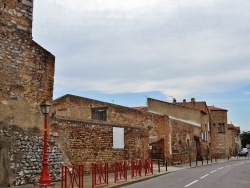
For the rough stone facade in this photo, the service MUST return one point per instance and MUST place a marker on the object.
(85, 141)
(219, 136)
(26, 69)
(70, 106)
(183, 143)
(175, 110)
(185, 130)
(24, 155)
(233, 139)
(205, 122)
(26, 78)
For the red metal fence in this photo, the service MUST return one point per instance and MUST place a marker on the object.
(99, 174)
(148, 166)
(120, 170)
(135, 168)
(72, 176)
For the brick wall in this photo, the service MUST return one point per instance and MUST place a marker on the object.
(92, 141)
(79, 107)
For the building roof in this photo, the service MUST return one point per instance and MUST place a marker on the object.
(213, 108)
(231, 126)
(141, 108)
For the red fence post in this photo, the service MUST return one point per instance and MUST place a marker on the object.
(100, 173)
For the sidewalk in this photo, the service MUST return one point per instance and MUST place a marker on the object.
(156, 172)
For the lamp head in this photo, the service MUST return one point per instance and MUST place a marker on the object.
(45, 107)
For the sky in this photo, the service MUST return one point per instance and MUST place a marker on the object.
(122, 52)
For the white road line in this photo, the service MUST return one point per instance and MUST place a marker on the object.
(227, 166)
(204, 176)
(213, 171)
(191, 183)
(220, 168)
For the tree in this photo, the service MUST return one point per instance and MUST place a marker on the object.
(245, 138)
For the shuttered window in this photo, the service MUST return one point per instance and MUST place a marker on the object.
(99, 114)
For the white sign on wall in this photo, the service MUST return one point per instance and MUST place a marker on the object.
(118, 138)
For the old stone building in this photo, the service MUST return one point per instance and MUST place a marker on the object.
(185, 136)
(87, 121)
(26, 78)
(234, 141)
(219, 131)
(205, 125)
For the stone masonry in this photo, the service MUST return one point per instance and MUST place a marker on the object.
(219, 146)
(86, 142)
(26, 69)
(70, 106)
(25, 149)
(26, 78)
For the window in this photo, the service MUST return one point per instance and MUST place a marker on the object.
(221, 127)
(204, 135)
(99, 114)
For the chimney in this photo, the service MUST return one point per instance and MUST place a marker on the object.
(174, 100)
(193, 102)
(184, 102)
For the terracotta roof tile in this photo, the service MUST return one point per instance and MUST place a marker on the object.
(213, 108)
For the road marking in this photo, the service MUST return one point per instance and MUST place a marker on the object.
(213, 171)
(191, 183)
(220, 168)
(227, 166)
(204, 176)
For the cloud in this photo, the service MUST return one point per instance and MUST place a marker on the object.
(176, 47)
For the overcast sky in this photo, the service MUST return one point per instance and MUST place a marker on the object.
(124, 51)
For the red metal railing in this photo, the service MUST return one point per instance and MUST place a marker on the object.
(120, 170)
(148, 166)
(135, 168)
(99, 174)
(72, 176)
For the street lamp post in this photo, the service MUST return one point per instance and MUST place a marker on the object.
(45, 180)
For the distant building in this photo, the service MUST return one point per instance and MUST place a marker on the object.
(219, 131)
(234, 141)
(185, 138)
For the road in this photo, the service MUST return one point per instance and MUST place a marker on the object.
(231, 174)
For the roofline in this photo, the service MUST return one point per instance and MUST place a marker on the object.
(177, 105)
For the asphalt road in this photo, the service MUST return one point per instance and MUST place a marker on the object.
(231, 174)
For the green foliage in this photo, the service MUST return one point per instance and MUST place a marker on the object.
(245, 138)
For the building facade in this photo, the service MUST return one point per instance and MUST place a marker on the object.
(26, 78)
(139, 128)
(219, 132)
(185, 138)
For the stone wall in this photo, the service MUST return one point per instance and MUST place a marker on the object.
(183, 143)
(24, 150)
(17, 15)
(70, 106)
(26, 78)
(92, 141)
(219, 143)
(175, 110)
(26, 69)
